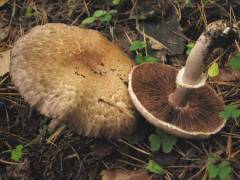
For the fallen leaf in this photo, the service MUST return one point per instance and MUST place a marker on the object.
(2, 2)
(160, 26)
(4, 62)
(120, 174)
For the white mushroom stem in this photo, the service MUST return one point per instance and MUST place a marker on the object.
(192, 72)
(195, 65)
(217, 34)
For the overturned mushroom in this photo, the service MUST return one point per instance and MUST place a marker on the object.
(187, 108)
(75, 76)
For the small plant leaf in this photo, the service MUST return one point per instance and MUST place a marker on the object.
(29, 12)
(230, 111)
(88, 20)
(236, 114)
(105, 18)
(19, 147)
(153, 167)
(213, 171)
(189, 3)
(235, 62)
(113, 11)
(99, 13)
(213, 70)
(150, 59)
(168, 142)
(212, 158)
(224, 170)
(137, 45)
(139, 58)
(116, 2)
(16, 153)
(189, 47)
(155, 142)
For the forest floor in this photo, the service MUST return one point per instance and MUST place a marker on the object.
(71, 156)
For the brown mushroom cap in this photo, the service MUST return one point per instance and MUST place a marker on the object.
(76, 76)
(149, 87)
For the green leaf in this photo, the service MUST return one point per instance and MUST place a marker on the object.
(224, 170)
(155, 142)
(230, 111)
(88, 20)
(213, 170)
(113, 11)
(235, 62)
(213, 70)
(29, 12)
(137, 45)
(153, 167)
(139, 58)
(150, 59)
(224, 164)
(116, 2)
(105, 18)
(212, 158)
(236, 114)
(16, 153)
(189, 47)
(19, 147)
(99, 13)
(189, 3)
(168, 142)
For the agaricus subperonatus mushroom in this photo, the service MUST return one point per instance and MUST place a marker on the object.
(75, 76)
(181, 103)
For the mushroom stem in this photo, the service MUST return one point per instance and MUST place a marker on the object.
(179, 97)
(217, 34)
(196, 60)
(193, 70)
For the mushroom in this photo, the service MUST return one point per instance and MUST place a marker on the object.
(76, 77)
(188, 108)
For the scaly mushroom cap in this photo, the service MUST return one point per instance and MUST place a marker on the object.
(150, 85)
(76, 76)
